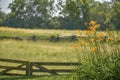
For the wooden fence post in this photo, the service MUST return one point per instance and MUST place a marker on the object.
(28, 69)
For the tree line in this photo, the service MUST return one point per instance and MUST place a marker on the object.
(61, 14)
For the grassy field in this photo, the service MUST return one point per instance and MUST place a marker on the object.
(55, 77)
(41, 50)
(7, 31)
(37, 51)
(45, 50)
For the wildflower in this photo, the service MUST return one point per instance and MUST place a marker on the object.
(80, 39)
(110, 39)
(78, 32)
(102, 34)
(92, 39)
(75, 46)
(85, 43)
(92, 22)
(88, 32)
(92, 28)
(94, 49)
(100, 38)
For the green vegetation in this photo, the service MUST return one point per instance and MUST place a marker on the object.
(37, 51)
(61, 14)
(101, 61)
(55, 77)
(61, 51)
(41, 50)
(7, 31)
(97, 51)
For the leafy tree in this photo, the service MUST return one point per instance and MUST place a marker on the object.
(115, 19)
(77, 11)
(101, 12)
(62, 14)
(29, 13)
(54, 23)
(2, 17)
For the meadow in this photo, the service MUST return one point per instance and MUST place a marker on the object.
(41, 50)
(47, 51)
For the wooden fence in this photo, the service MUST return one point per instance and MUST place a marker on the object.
(50, 38)
(29, 68)
(10, 65)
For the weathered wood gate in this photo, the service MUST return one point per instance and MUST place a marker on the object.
(7, 65)
(29, 68)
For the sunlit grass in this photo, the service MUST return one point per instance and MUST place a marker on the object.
(7, 31)
(37, 51)
(42, 50)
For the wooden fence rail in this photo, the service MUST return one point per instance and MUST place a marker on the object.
(20, 66)
(51, 38)
(35, 67)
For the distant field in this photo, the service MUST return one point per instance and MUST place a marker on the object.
(42, 50)
(7, 31)
(37, 51)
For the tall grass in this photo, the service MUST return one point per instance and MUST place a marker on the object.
(37, 51)
(55, 77)
(101, 58)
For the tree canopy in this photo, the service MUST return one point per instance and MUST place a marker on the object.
(61, 14)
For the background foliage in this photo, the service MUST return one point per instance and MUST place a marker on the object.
(61, 14)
